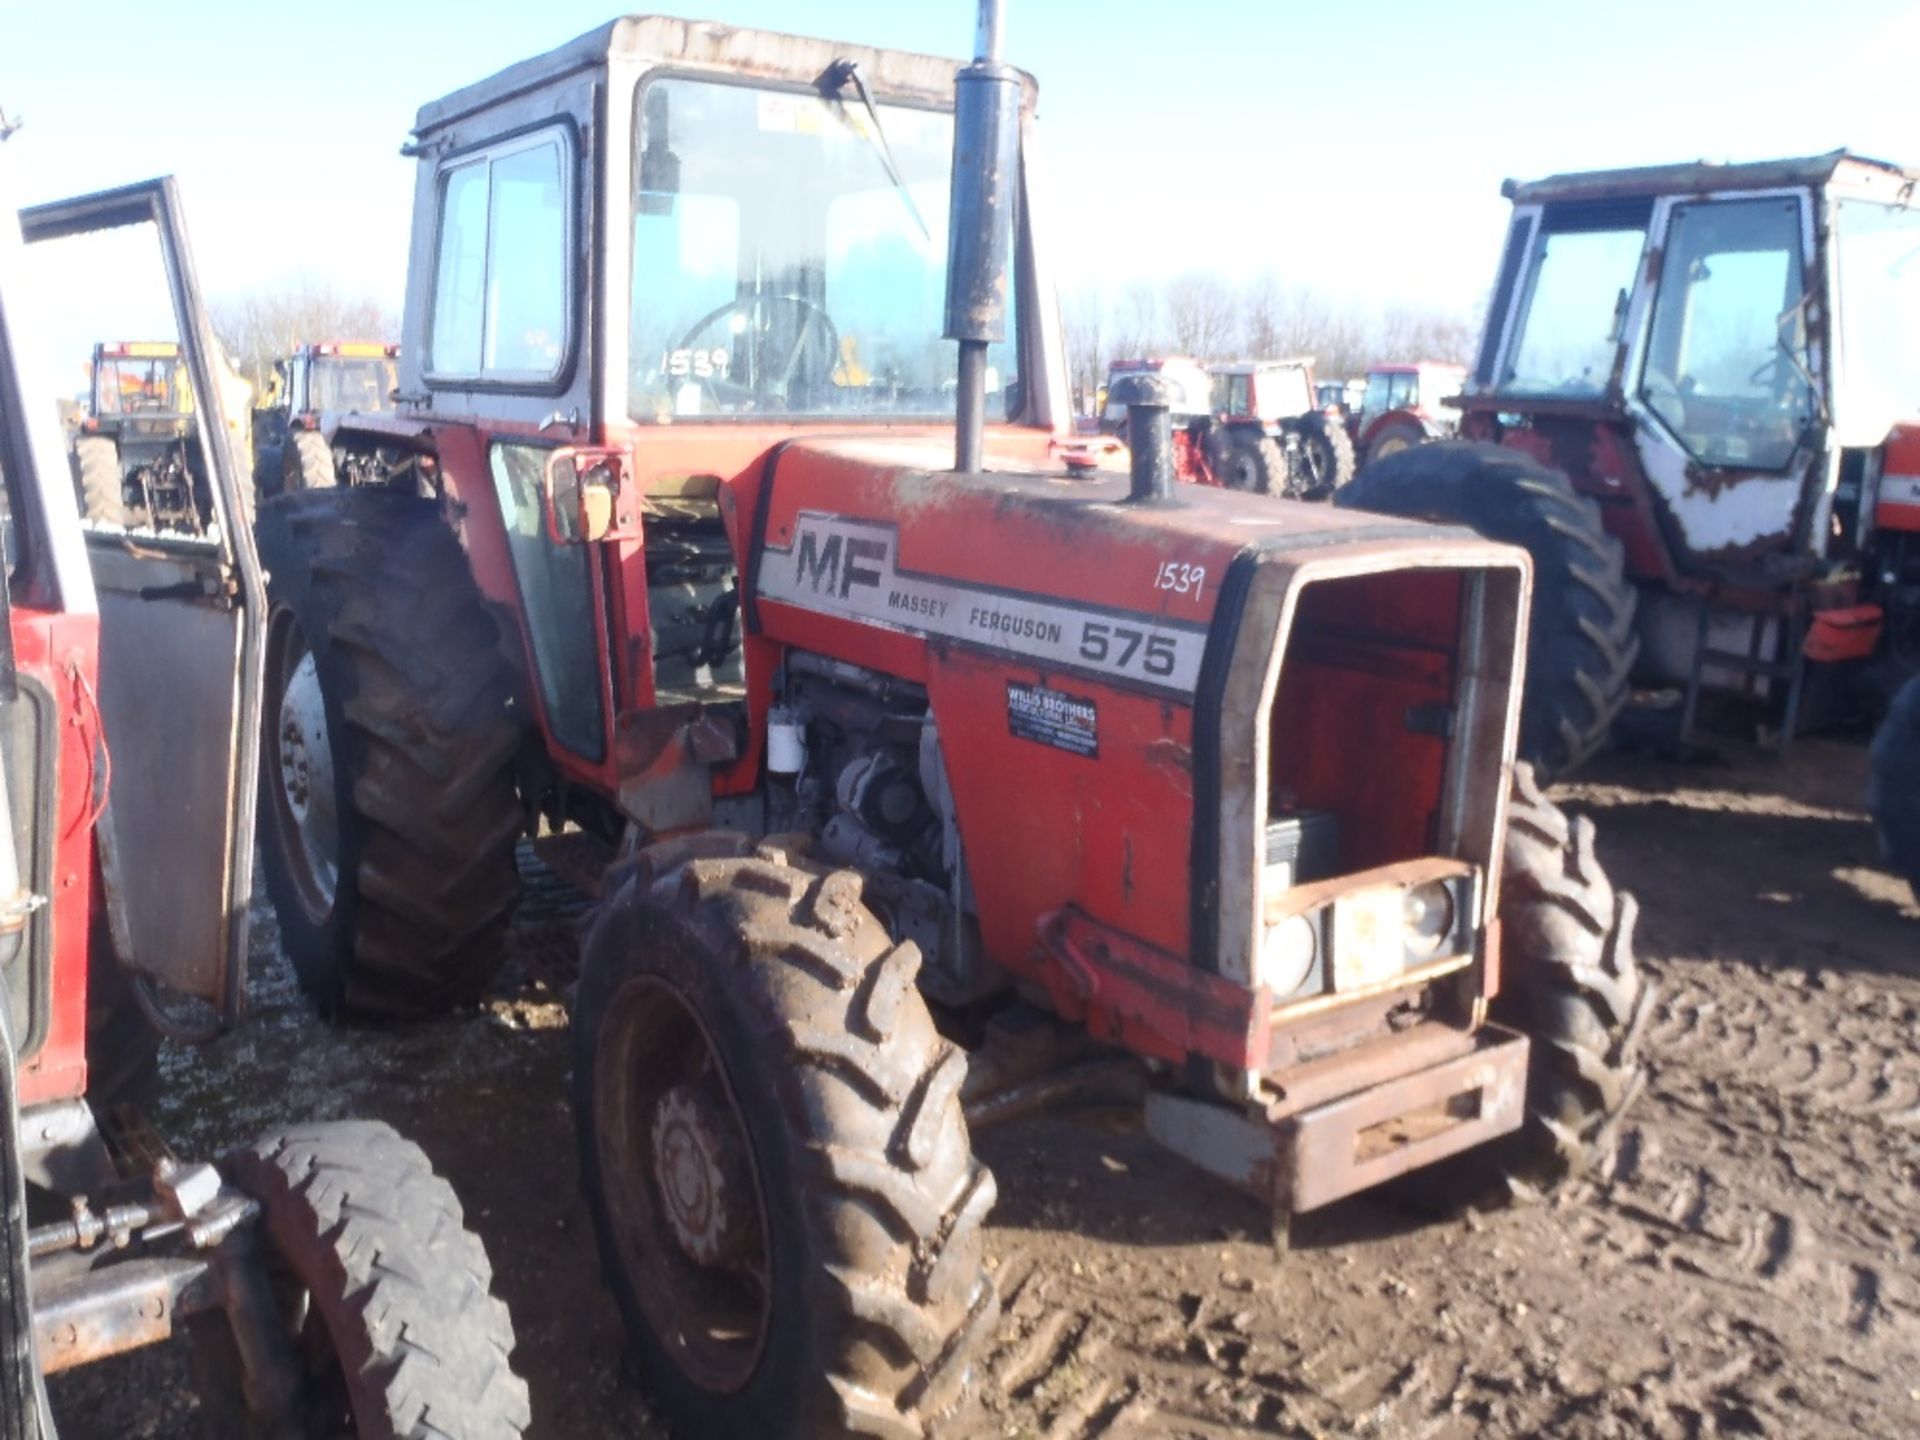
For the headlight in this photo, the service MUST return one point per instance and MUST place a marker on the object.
(1287, 955)
(1430, 917)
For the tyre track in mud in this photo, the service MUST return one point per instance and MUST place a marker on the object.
(1748, 1268)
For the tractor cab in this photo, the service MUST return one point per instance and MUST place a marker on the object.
(312, 388)
(142, 382)
(1724, 357)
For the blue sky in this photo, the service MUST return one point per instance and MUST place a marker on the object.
(1355, 147)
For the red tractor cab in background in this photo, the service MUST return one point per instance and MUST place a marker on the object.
(1245, 425)
(1404, 406)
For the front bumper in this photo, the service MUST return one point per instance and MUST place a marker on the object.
(1354, 1120)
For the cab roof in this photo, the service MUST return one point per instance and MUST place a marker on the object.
(1694, 177)
(707, 45)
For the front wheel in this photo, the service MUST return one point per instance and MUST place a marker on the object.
(788, 1205)
(1893, 789)
(394, 1333)
(1393, 438)
(1572, 984)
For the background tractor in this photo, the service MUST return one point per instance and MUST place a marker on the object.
(1405, 405)
(1248, 425)
(917, 779)
(324, 1273)
(1275, 437)
(1724, 361)
(312, 388)
(136, 453)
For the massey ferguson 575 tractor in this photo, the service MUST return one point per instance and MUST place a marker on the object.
(1724, 361)
(324, 1272)
(896, 748)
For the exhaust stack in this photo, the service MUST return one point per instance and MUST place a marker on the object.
(986, 138)
(1149, 401)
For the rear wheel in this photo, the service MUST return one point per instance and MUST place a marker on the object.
(388, 804)
(1326, 455)
(1250, 460)
(788, 1205)
(306, 462)
(1893, 789)
(1394, 437)
(393, 1329)
(1581, 643)
(96, 474)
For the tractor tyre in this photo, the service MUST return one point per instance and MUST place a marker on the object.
(392, 1327)
(1581, 642)
(1571, 983)
(98, 481)
(789, 1209)
(1893, 786)
(306, 463)
(1326, 453)
(1252, 461)
(1394, 437)
(388, 802)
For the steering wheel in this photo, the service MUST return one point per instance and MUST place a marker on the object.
(775, 382)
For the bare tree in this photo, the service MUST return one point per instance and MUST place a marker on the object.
(1203, 315)
(1083, 317)
(260, 326)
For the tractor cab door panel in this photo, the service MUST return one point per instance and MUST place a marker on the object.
(180, 637)
(1726, 378)
(559, 605)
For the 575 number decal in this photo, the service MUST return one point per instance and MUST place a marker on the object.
(1124, 648)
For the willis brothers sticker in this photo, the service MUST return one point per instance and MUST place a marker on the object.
(1052, 717)
(844, 567)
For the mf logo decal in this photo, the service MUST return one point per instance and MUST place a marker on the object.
(849, 568)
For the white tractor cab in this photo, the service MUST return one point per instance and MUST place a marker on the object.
(1719, 365)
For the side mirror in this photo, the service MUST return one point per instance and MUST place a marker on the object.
(584, 498)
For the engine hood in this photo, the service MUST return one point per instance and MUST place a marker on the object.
(1021, 563)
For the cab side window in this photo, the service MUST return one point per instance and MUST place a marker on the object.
(502, 281)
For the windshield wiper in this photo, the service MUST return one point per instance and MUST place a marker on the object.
(835, 78)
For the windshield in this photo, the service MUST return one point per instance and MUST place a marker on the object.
(126, 386)
(1576, 299)
(778, 270)
(1727, 365)
(359, 385)
(1879, 274)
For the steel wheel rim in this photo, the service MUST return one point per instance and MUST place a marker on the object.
(300, 773)
(712, 1318)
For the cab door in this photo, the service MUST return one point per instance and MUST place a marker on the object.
(180, 644)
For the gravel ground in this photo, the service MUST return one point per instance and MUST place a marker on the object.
(1751, 1267)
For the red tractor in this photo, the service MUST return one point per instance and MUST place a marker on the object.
(1404, 406)
(1699, 389)
(324, 1271)
(903, 762)
(313, 388)
(1248, 425)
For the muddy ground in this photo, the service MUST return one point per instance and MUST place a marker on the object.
(1752, 1267)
